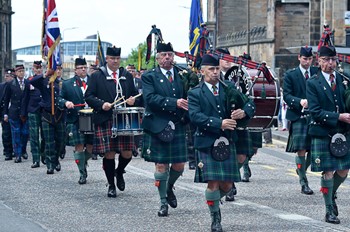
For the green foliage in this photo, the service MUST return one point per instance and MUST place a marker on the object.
(134, 57)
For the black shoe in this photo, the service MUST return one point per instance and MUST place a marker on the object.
(50, 171)
(230, 196)
(112, 192)
(62, 155)
(306, 190)
(25, 156)
(331, 218)
(192, 165)
(171, 198)
(18, 160)
(43, 160)
(335, 207)
(94, 157)
(216, 222)
(120, 181)
(8, 157)
(82, 180)
(163, 211)
(58, 167)
(35, 165)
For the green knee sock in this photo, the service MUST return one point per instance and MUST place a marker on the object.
(308, 161)
(327, 190)
(80, 161)
(173, 176)
(87, 155)
(300, 162)
(213, 198)
(337, 181)
(161, 183)
(246, 167)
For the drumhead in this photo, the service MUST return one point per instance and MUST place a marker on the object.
(131, 110)
(86, 111)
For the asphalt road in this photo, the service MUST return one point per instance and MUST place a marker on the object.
(31, 200)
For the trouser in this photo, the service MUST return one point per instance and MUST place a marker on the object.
(54, 142)
(20, 134)
(7, 138)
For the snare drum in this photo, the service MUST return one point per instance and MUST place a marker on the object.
(266, 98)
(86, 124)
(127, 121)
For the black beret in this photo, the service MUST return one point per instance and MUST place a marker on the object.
(163, 47)
(327, 51)
(113, 51)
(80, 61)
(210, 59)
(305, 51)
(10, 71)
(223, 50)
(19, 67)
(37, 63)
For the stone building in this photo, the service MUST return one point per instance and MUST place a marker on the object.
(278, 28)
(5, 35)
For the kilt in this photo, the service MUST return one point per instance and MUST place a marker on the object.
(74, 137)
(321, 158)
(54, 137)
(244, 145)
(157, 151)
(256, 137)
(213, 170)
(103, 143)
(298, 139)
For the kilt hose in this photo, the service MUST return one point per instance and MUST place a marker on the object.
(208, 169)
(54, 136)
(244, 145)
(74, 137)
(34, 121)
(103, 141)
(157, 151)
(298, 136)
(20, 135)
(321, 158)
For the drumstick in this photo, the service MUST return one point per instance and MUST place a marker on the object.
(117, 100)
(77, 105)
(138, 95)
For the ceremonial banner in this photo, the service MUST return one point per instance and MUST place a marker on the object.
(196, 20)
(51, 35)
(100, 57)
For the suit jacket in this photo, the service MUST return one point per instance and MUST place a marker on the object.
(207, 116)
(101, 89)
(32, 99)
(160, 100)
(294, 89)
(324, 107)
(14, 106)
(71, 91)
(2, 94)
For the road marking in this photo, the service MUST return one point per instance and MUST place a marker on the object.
(300, 219)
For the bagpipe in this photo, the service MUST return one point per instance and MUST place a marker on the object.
(260, 83)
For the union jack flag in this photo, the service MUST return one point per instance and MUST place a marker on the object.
(51, 35)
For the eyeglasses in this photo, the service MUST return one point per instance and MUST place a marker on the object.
(329, 59)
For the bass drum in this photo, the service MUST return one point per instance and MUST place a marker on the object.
(266, 97)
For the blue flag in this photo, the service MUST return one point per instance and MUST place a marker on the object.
(196, 20)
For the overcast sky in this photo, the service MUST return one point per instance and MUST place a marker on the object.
(124, 23)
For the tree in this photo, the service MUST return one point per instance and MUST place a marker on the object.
(134, 57)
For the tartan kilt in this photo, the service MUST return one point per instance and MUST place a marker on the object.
(244, 145)
(103, 143)
(320, 152)
(298, 138)
(157, 151)
(213, 170)
(256, 137)
(74, 137)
